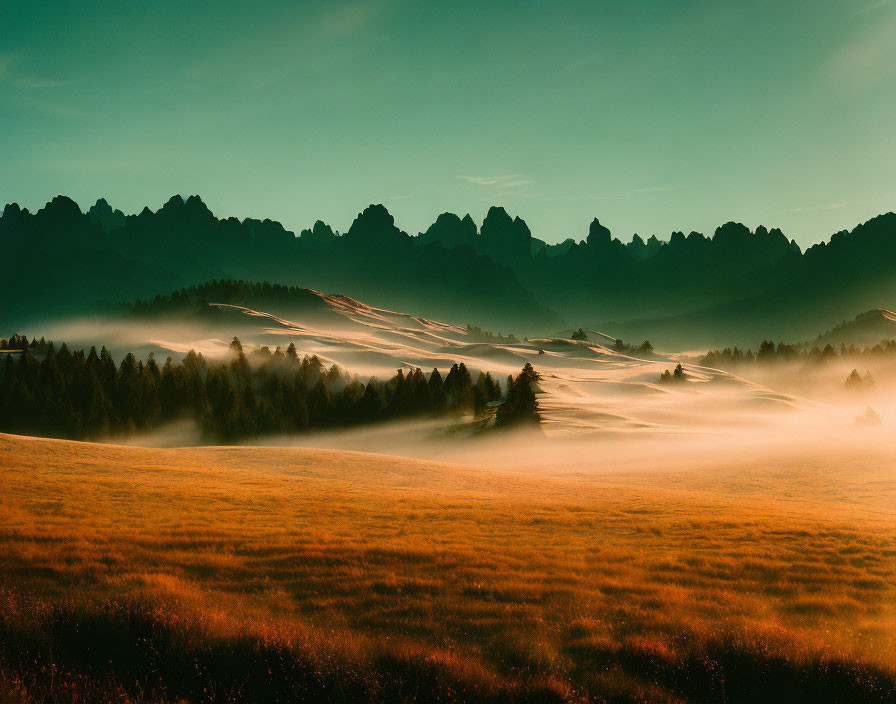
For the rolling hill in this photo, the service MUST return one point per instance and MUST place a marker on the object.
(587, 386)
(181, 575)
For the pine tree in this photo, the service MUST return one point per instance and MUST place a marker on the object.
(520, 406)
(420, 399)
(320, 405)
(437, 391)
(399, 399)
(370, 408)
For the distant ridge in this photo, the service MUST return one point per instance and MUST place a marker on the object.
(105, 255)
(692, 290)
(868, 329)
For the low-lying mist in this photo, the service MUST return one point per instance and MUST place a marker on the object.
(142, 337)
(599, 409)
(711, 426)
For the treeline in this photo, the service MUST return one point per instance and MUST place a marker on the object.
(673, 377)
(645, 349)
(477, 334)
(770, 353)
(74, 395)
(20, 342)
(194, 300)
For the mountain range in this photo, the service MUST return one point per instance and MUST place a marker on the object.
(733, 287)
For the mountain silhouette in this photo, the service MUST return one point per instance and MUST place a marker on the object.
(65, 262)
(693, 289)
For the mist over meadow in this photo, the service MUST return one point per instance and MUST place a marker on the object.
(492, 353)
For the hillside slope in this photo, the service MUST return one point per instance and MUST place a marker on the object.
(586, 386)
(867, 330)
(346, 576)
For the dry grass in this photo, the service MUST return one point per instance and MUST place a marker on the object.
(266, 574)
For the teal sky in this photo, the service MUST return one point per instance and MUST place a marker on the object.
(652, 116)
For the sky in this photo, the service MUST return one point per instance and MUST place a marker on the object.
(653, 116)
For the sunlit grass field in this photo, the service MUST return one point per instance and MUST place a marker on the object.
(279, 574)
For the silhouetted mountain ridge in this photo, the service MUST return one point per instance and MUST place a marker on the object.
(499, 275)
(183, 243)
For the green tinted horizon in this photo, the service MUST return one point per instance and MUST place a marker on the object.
(651, 116)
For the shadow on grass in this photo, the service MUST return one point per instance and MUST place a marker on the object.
(126, 653)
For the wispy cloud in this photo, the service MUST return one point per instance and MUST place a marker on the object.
(32, 82)
(135, 158)
(874, 6)
(621, 195)
(304, 39)
(9, 75)
(816, 208)
(576, 197)
(498, 181)
(497, 187)
(653, 189)
(511, 184)
(581, 63)
(869, 58)
(347, 19)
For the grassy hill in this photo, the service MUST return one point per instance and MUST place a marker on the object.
(272, 574)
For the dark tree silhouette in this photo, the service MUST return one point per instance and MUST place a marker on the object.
(520, 407)
(73, 395)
